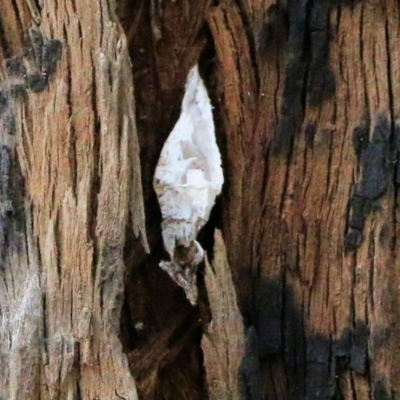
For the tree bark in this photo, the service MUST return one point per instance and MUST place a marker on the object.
(298, 298)
(309, 211)
(75, 143)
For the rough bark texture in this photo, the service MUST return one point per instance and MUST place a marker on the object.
(75, 142)
(309, 211)
(306, 106)
(223, 344)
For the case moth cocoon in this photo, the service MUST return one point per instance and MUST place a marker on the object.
(187, 180)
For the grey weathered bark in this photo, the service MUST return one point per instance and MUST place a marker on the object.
(306, 107)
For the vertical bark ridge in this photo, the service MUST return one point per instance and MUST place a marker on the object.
(228, 367)
(79, 155)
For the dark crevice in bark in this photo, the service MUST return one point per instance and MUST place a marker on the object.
(45, 324)
(72, 140)
(77, 371)
(74, 9)
(95, 183)
(353, 387)
(389, 76)
(252, 45)
(362, 51)
(57, 240)
(157, 108)
(329, 164)
(3, 41)
(17, 16)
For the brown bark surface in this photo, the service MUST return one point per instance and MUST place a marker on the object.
(223, 343)
(309, 211)
(306, 108)
(75, 143)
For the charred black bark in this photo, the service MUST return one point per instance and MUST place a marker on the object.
(377, 158)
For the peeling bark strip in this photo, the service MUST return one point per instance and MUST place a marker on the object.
(76, 142)
(224, 343)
